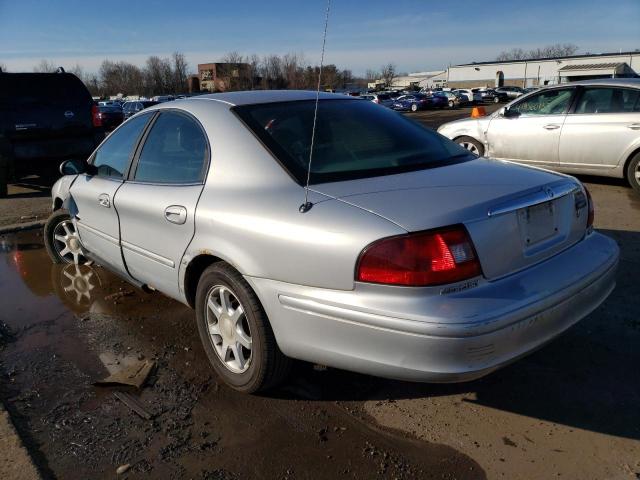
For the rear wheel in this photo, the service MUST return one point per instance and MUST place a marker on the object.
(633, 172)
(236, 333)
(471, 144)
(414, 107)
(61, 239)
(496, 99)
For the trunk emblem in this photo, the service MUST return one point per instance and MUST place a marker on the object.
(68, 114)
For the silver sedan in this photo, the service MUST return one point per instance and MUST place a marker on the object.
(411, 258)
(590, 127)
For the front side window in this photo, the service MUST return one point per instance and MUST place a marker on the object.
(352, 140)
(112, 157)
(549, 102)
(609, 100)
(175, 151)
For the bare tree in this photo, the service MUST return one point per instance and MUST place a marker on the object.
(45, 66)
(180, 68)
(550, 51)
(388, 73)
(371, 75)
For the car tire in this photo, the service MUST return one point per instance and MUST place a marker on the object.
(451, 104)
(633, 172)
(266, 366)
(471, 144)
(58, 226)
(496, 100)
(414, 107)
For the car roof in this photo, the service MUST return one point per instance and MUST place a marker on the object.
(251, 97)
(627, 82)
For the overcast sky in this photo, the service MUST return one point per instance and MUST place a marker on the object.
(415, 35)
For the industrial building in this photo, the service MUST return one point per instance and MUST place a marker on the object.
(535, 72)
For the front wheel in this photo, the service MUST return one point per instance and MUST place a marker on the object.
(496, 100)
(414, 107)
(236, 333)
(471, 144)
(451, 104)
(633, 172)
(61, 239)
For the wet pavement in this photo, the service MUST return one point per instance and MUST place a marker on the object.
(65, 327)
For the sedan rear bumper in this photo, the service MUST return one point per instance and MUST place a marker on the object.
(441, 337)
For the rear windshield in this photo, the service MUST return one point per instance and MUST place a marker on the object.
(353, 140)
(57, 89)
(384, 97)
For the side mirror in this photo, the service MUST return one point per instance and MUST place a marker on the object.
(508, 113)
(76, 167)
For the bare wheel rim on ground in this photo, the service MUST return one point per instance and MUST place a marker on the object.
(229, 330)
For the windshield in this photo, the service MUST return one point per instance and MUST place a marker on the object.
(353, 139)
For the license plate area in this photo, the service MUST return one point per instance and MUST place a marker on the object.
(537, 224)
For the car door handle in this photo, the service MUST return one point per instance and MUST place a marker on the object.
(551, 126)
(103, 200)
(176, 214)
(634, 126)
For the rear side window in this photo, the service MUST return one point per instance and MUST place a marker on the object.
(548, 102)
(353, 140)
(112, 157)
(609, 100)
(175, 151)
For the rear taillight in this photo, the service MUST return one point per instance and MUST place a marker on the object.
(434, 257)
(95, 116)
(592, 210)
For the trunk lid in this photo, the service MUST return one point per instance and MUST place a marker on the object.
(517, 216)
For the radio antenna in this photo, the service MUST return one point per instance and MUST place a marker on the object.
(306, 206)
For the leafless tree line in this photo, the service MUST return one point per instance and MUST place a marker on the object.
(550, 51)
(288, 71)
(158, 76)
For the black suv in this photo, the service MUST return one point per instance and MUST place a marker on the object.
(44, 118)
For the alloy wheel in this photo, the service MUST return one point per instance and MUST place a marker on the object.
(229, 330)
(470, 146)
(67, 243)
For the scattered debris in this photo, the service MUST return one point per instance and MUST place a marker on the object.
(134, 373)
(134, 404)
(119, 295)
(508, 442)
(123, 469)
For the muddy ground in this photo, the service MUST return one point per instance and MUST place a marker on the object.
(66, 327)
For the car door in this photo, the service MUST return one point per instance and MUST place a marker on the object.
(602, 128)
(96, 218)
(157, 203)
(529, 130)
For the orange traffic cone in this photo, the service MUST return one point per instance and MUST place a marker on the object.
(477, 112)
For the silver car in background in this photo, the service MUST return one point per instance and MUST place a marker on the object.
(412, 258)
(590, 127)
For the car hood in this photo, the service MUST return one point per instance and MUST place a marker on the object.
(440, 196)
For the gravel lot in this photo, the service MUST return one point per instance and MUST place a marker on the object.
(569, 410)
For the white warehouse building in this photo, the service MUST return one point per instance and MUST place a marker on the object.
(534, 72)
